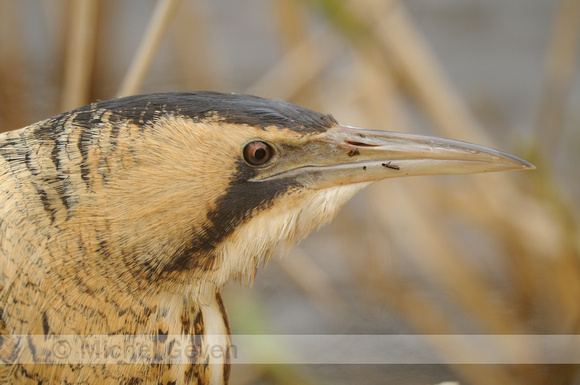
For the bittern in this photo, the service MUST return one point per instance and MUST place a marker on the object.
(127, 216)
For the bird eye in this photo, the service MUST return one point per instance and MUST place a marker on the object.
(257, 153)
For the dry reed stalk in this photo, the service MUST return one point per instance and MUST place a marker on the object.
(529, 223)
(377, 94)
(542, 264)
(292, 27)
(404, 46)
(428, 84)
(423, 77)
(291, 23)
(424, 315)
(313, 281)
(428, 317)
(519, 263)
(193, 48)
(392, 33)
(402, 42)
(12, 83)
(289, 75)
(445, 259)
(437, 257)
(559, 74)
(54, 14)
(80, 52)
(156, 30)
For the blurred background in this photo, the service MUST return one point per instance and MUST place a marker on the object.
(484, 254)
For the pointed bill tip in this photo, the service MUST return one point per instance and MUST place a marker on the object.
(526, 165)
(503, 161)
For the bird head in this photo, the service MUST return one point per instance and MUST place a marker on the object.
(202, 187)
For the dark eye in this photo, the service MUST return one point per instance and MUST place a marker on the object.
(257, 153)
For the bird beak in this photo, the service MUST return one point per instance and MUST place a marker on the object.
(346, 155)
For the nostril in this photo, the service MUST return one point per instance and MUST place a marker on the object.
(361, 144)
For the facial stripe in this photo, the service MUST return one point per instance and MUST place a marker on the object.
(240, 201)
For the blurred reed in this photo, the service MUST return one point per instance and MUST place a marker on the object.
(160, 21)
(488, 254)
(79, 55)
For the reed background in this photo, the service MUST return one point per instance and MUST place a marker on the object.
(484, 254)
